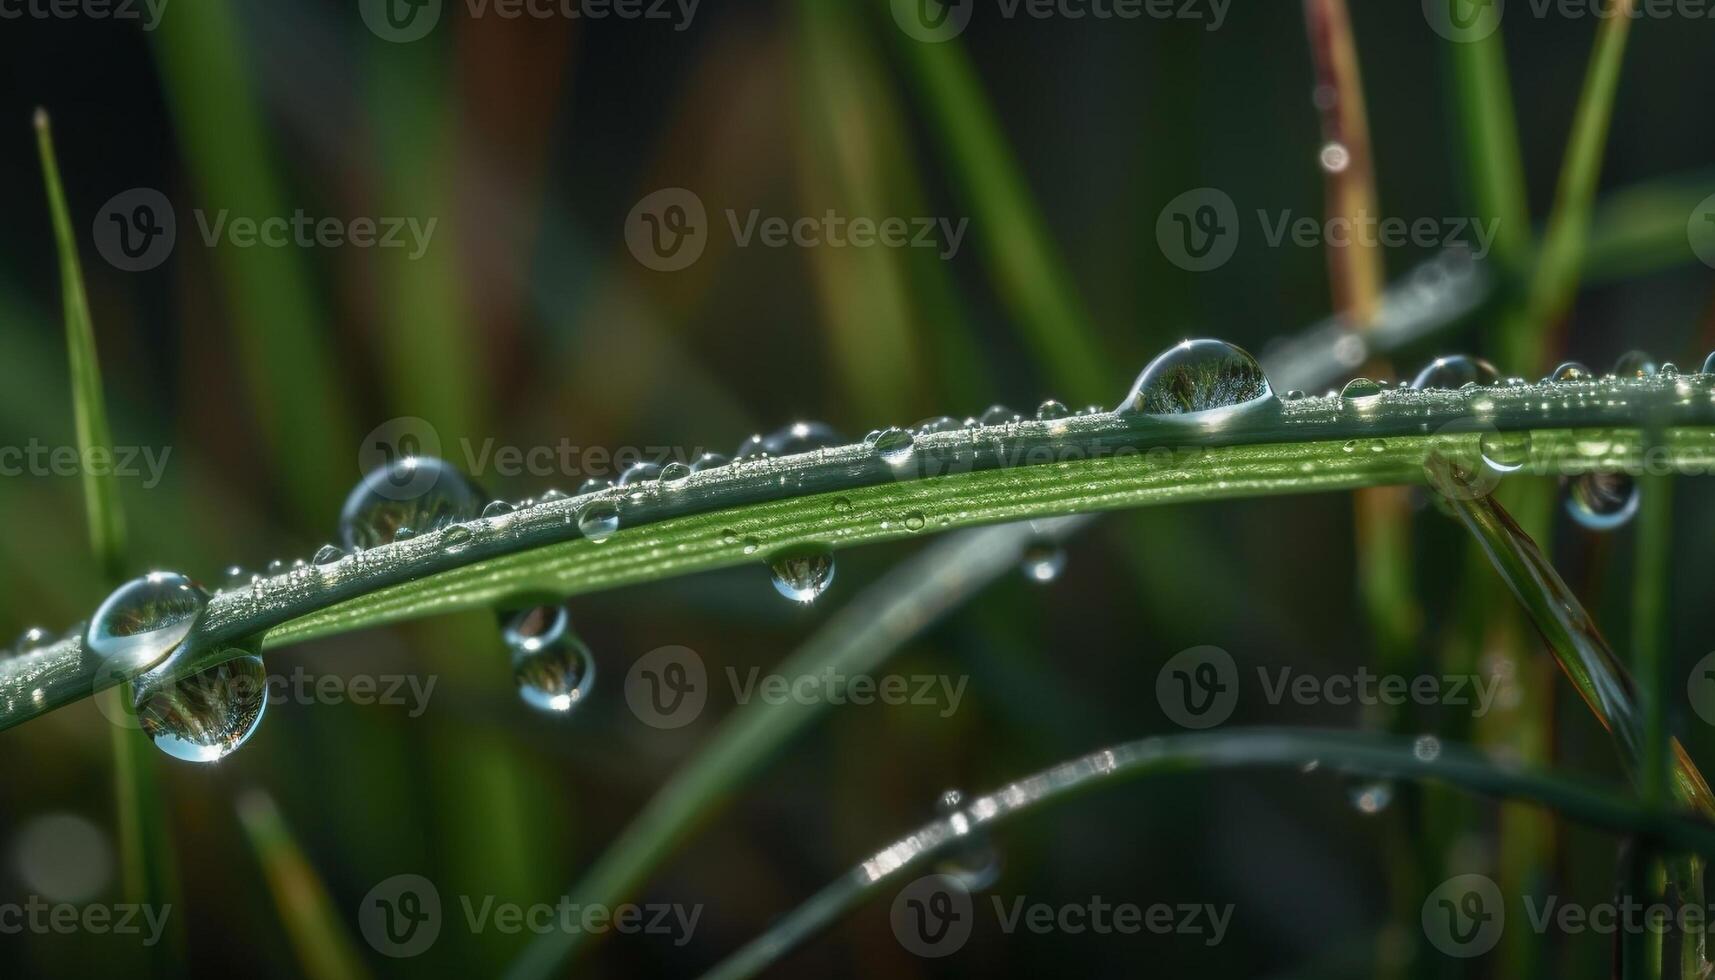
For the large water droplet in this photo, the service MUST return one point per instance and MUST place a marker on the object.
(639, 473)
(1051, 410)
(800, 437)
(1571, 371)
(1602, 501)
(804, 574)
(417, 492)
(1043, 561)
(998, 415)
(974, 860)
(207, 716)
(143, 620)
(945, 423)
(1361, 390)
(895, 446)
(1202, 380)
(1454, 372)
(553, 668)
(1709, 364)
(327, 554)
(708, 461)
(598, 520)
(497, 508)
(1634, 364)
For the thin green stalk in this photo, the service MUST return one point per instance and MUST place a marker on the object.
(1353, 753)
(1558, 264)
(324, 946)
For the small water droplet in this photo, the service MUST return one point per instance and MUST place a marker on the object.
(1505, 452)
(32, 639)
(598, 520)
(1360, 390)
(800, 437)
(944, 423)
(752, 545)
(1427, 748)
(1043, 561)
(1455, 371)
(998, 415)
(594, 484)
(207, 716)
(1602, 501)
(751, 448)
(1709, 364)
(1293, 395)
(842, 505)
(675, 474)
(1334, 157)
(551, 495)
(638, 473)
(1571, 371)
(1203, 380)
(804, 574)
(275, 567)
(974, 860)
(914, 521)
(1669, 369)
(553, 668)
(144, 620)
(1051, 410)
(1372, 798)
(236, 577)
(895, 446)
(403, 533)
(497, 508)
(327, 554)
(419, 492)
(1635, 364)
(708, 461)
(456, 538)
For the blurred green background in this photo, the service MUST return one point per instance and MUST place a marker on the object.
(528, 321)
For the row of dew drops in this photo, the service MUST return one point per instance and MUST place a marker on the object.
(207, 716)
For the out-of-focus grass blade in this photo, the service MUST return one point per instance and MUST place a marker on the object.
(1348, 752)
(1354, 269)
(1027, 270)
(100, 487)
(287, 361)
(145, 847)
(324, 947)
(1558, 264)
(899, 606)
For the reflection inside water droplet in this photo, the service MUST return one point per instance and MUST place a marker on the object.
(1602, 501)
(1455, 371)
(207, 716)
(1043, 561)
(1201, 380)
(804, 574)
(421, 493)
(143, 620)
(553, 668)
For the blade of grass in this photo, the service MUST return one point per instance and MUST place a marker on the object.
(1352, 753)
(902, 604)
(1557, 266)
(1355, 268)
(145, 847)
(325, 948)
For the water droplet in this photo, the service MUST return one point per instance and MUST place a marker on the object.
(327, 554)
(456, 538)
(801, 437)
(598, 520)
(1427, 748)
(1709, 364)
(708, 461)
(497, 508)
(32, 639)
(236, 577)
(752, 545)
(895, 446)
(551, 495)
(1205, 380)
(1360, 390)
(275, 567)
(804, 574)
(639, 473)
(1635, 364)
(403, 533)
(751, 448)
(1372, 798)
(974, 860)
(552, 666)
(1293, 395)
(944, 423)
(1454, 372)
(1051, 410)
(914, 521)
(842, 505)
(674, 474)
(1571, 371)
(207, 716)
(998, 415)
(1334, 157)
(1043, 561)
(419, 492)
(594, 484)
(1602, 501)
(144, 620)
(1505, 452)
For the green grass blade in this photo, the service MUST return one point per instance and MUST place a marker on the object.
(105, 516)
(325, 948)
(904, 603)
(1557, 269)
(1353, 753)
(1027, 270)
